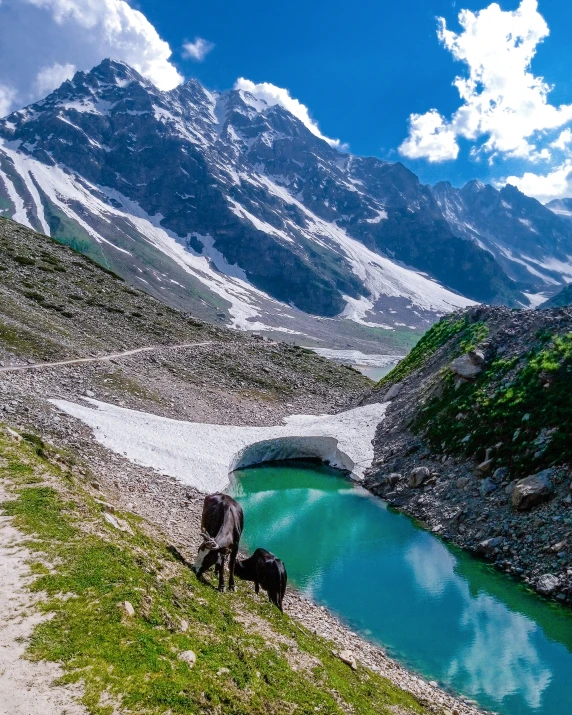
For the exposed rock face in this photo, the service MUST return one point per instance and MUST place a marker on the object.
(519, 231)
(480, 442)
(533, 490)
(222, 193)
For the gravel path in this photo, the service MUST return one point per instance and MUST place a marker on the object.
(102, 358)
(26, 687)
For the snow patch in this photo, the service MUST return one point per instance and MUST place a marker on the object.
(202, 455)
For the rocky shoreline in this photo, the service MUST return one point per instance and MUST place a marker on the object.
(514, 515)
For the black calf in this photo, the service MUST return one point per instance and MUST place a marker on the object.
(265, 570)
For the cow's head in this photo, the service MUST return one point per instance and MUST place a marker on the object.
(207, 555)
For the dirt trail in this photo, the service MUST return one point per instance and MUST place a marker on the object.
(26, 688)
(101, 358)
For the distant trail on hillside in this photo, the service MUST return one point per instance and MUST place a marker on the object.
(102, 358)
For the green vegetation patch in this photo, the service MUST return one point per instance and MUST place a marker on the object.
(522, 404)
(469, 335)
(250, 659)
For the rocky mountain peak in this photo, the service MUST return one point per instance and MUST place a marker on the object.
(253, 204)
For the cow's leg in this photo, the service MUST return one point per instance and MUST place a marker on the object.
(231, 564)
(256, 587)
(221, 574)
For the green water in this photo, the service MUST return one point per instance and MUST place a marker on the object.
(437, 610)
(374, 373)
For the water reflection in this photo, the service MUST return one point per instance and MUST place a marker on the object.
(499, 658)
(439, 611)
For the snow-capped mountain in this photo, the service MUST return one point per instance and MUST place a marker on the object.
(530, 241)
(561, 207)
(224, 205)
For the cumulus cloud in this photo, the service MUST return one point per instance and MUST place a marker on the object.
(53, 76)
(198, 49)
(563, 140)
(553, 184)
(42, 41)
(7, 98)
(271, 94)
(430, 137)
(502, 101)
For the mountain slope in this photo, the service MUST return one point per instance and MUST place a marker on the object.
(476, 442)
(223, 204)
(561, 299)
(530, 242)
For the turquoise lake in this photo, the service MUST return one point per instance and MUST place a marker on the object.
(437, 610)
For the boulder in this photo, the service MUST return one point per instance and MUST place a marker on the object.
(500, 474)
(188, 657)
(128, 609)
(547, 584)
(487, 487)
(393, 392)
(533, 490)
(419, 476)
(392, 479)
(485, 466)
(469, 366)
(347, 657)
(489, 546)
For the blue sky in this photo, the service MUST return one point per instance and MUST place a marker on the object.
(362, 69)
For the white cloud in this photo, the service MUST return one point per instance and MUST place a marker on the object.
(7, 98)
(430, 138)
(554, 184)
(48, 78)
(198, 49)
(40, 40)
(271, 94)
(503, 102)
(563, 140)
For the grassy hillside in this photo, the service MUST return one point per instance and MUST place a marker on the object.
(56, 304)
(520, 406)
(250, 659)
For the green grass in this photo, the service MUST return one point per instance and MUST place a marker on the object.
(524, 404)
(469, 334)
(133, 662)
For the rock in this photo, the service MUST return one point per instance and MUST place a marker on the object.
(489, 546)
(469, 366)
(500, 474)
(347, 657)
(533, 490)
(393, 392)
(547, 584)
(89, 393)
(183, 625)
(487, 487)
(106, 506)
(119, 524)
(188, 657)
(392, 479)
(462, 482)
(485, 466)
(128, 609)
(418, 476)
(223, 671)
